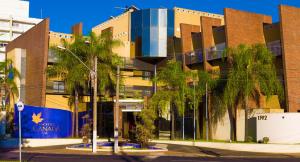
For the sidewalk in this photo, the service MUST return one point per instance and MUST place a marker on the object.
(261, 148)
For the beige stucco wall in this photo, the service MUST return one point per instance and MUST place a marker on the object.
(130, 80)
(61, 102)
(18, 57)
(191, 17)
(56, 37)
(121, 31)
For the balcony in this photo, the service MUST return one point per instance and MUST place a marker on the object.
(193, 57)
(275, 47)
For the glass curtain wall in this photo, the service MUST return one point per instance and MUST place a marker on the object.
(150, 29)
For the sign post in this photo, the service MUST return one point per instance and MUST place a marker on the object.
(20, 106)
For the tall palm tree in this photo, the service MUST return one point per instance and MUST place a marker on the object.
(75, 75)
(101, 46)
(173, 92)
(68, 69)
(252, 73)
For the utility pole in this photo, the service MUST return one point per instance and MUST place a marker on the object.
(206, 111)
(94, 75)
(116, 133)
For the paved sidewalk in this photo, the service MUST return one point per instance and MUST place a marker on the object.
(263, 148)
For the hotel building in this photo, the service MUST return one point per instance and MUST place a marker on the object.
(14, 20)
(153, 36)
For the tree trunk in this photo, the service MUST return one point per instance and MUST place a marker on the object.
(172, 123)
(76, 114)
(73, 120)
(233, 122)
(209, 116)
(197, 124)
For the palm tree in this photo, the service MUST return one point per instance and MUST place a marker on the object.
(101, 46)
(10, 87)
(75, 75)
(68, 69)
(173, 92)
(8, 82)
(252, 73)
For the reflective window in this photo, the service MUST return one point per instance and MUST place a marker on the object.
(152, 27)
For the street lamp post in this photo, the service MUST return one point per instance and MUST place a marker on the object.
(20, 107)
(194, 110)
(206, 112)
(93, 73)
(116, 132)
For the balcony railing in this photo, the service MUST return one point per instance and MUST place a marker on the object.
(275, 47)
(194, 57)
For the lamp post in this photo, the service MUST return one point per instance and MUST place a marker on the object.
(194, 110)
(206, 112)
(116, 132)
(93, 73)
(20, 106)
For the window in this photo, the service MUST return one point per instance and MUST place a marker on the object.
(146, 75)
(58, 87)
(15, 24)
(3, 45)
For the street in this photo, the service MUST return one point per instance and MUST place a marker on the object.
(176, 153)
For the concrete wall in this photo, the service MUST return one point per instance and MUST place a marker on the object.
(221, 129)
(35, 42)
(290, 40)
(279, 127)
(14, 8)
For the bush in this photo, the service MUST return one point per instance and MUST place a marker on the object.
(266, 140)
(86, 133)
(145, 127)
(250, 139)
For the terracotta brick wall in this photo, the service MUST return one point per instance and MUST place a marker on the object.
(207, 23)
(244, 27)
(35, 42)
(77, 29)
(290, 40)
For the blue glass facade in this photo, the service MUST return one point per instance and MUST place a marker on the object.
(150, 29)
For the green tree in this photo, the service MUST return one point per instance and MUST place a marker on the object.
(10, 88)
(101, 46)
(172, 92)
(251, 73)
(68, 68)
(76, 77)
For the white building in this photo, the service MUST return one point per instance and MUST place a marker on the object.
(14, 20)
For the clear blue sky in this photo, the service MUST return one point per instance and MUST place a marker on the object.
(64, 13)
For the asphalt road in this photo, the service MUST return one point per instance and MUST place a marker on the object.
(176, 153)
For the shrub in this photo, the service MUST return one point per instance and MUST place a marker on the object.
(86, 132)
(145, 127)
(266, 140)
(250, 139)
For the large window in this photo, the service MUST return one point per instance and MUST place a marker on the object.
(151, 27)
(58, 87)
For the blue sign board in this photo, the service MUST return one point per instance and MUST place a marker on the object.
(41, 122)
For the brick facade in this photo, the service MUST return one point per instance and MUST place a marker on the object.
(290, 40)
(36, 42)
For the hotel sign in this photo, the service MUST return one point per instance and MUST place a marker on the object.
(41, 122)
